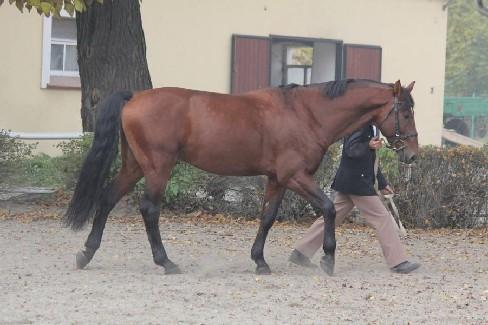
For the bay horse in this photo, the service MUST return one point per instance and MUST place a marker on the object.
(281, 133)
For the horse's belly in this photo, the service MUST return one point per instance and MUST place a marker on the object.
(226, 158)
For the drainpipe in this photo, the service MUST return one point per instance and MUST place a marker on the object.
(45, 135)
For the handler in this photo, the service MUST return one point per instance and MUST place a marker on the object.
(354, 185)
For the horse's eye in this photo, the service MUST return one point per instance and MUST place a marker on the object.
(406, 116)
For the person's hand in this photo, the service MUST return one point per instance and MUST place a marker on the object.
(375, 143)
(387, 190)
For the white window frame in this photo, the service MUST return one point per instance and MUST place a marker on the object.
(64, 73)
(47, 40)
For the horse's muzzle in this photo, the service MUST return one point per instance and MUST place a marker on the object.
(406, 157)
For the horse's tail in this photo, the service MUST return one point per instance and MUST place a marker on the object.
(96, 167)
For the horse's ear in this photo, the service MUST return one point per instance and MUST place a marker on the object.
(397, 88)
(410, 87)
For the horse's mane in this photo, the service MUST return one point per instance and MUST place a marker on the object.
(334, 88)
(337, 88)
(290, 86)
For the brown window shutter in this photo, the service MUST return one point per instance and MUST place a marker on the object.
(362, 62)
(250, 63)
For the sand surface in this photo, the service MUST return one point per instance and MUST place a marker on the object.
(40, 285)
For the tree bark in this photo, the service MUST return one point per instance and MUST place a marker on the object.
(111, 54)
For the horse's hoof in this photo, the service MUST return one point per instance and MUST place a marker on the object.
(327, 264)
(172, 269)
(263, 270)
(81, 260)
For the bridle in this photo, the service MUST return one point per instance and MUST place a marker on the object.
(397, 142)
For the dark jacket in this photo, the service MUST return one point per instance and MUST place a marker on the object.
(356, 170)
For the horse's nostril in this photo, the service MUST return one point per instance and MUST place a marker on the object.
(412, 159)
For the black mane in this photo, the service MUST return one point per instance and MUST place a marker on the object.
(337, 88)
(289, 86)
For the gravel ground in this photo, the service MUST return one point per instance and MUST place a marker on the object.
(40, 285)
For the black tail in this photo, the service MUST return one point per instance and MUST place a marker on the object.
(96, 167)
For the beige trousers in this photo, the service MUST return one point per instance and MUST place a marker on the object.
(376, 215)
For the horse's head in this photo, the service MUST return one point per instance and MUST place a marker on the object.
(397, 124)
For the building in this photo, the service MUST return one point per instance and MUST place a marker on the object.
(230, 45)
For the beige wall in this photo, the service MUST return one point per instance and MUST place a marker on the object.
(189, 45)
(24, 106)
(189, 41)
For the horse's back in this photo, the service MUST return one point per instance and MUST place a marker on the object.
(200, 127)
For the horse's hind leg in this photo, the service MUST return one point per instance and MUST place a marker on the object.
(121, 185)
(150, 208)
(272, 200)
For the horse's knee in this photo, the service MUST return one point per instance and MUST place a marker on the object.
(148, 207)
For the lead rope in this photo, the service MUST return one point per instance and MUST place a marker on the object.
(408, 173)
(388, 199)
(401, 228)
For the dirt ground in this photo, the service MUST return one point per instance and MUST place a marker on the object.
(40, 285)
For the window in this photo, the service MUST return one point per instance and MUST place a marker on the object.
(261, 61)
(304, 61)
(298, 65)
(60, 66)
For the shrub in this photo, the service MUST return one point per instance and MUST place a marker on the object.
(448, 187)
(183, 186)
(12, 149)
(23, 168)
(12, 152)
(73, 154)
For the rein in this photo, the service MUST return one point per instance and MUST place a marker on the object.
(396, 142)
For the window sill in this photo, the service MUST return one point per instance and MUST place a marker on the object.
(63, 82)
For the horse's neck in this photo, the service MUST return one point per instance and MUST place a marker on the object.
(354, 120)
(344, 115)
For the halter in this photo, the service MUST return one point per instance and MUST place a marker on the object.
(397, 141)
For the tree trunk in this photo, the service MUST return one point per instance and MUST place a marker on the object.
(111, 54)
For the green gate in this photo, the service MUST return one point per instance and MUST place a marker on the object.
(472, 107)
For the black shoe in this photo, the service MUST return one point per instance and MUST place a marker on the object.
(405, 267)
(299, 259)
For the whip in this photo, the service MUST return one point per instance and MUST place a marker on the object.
(396, 215)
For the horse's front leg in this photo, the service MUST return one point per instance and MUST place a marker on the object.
(304, 185)
(272, 200)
